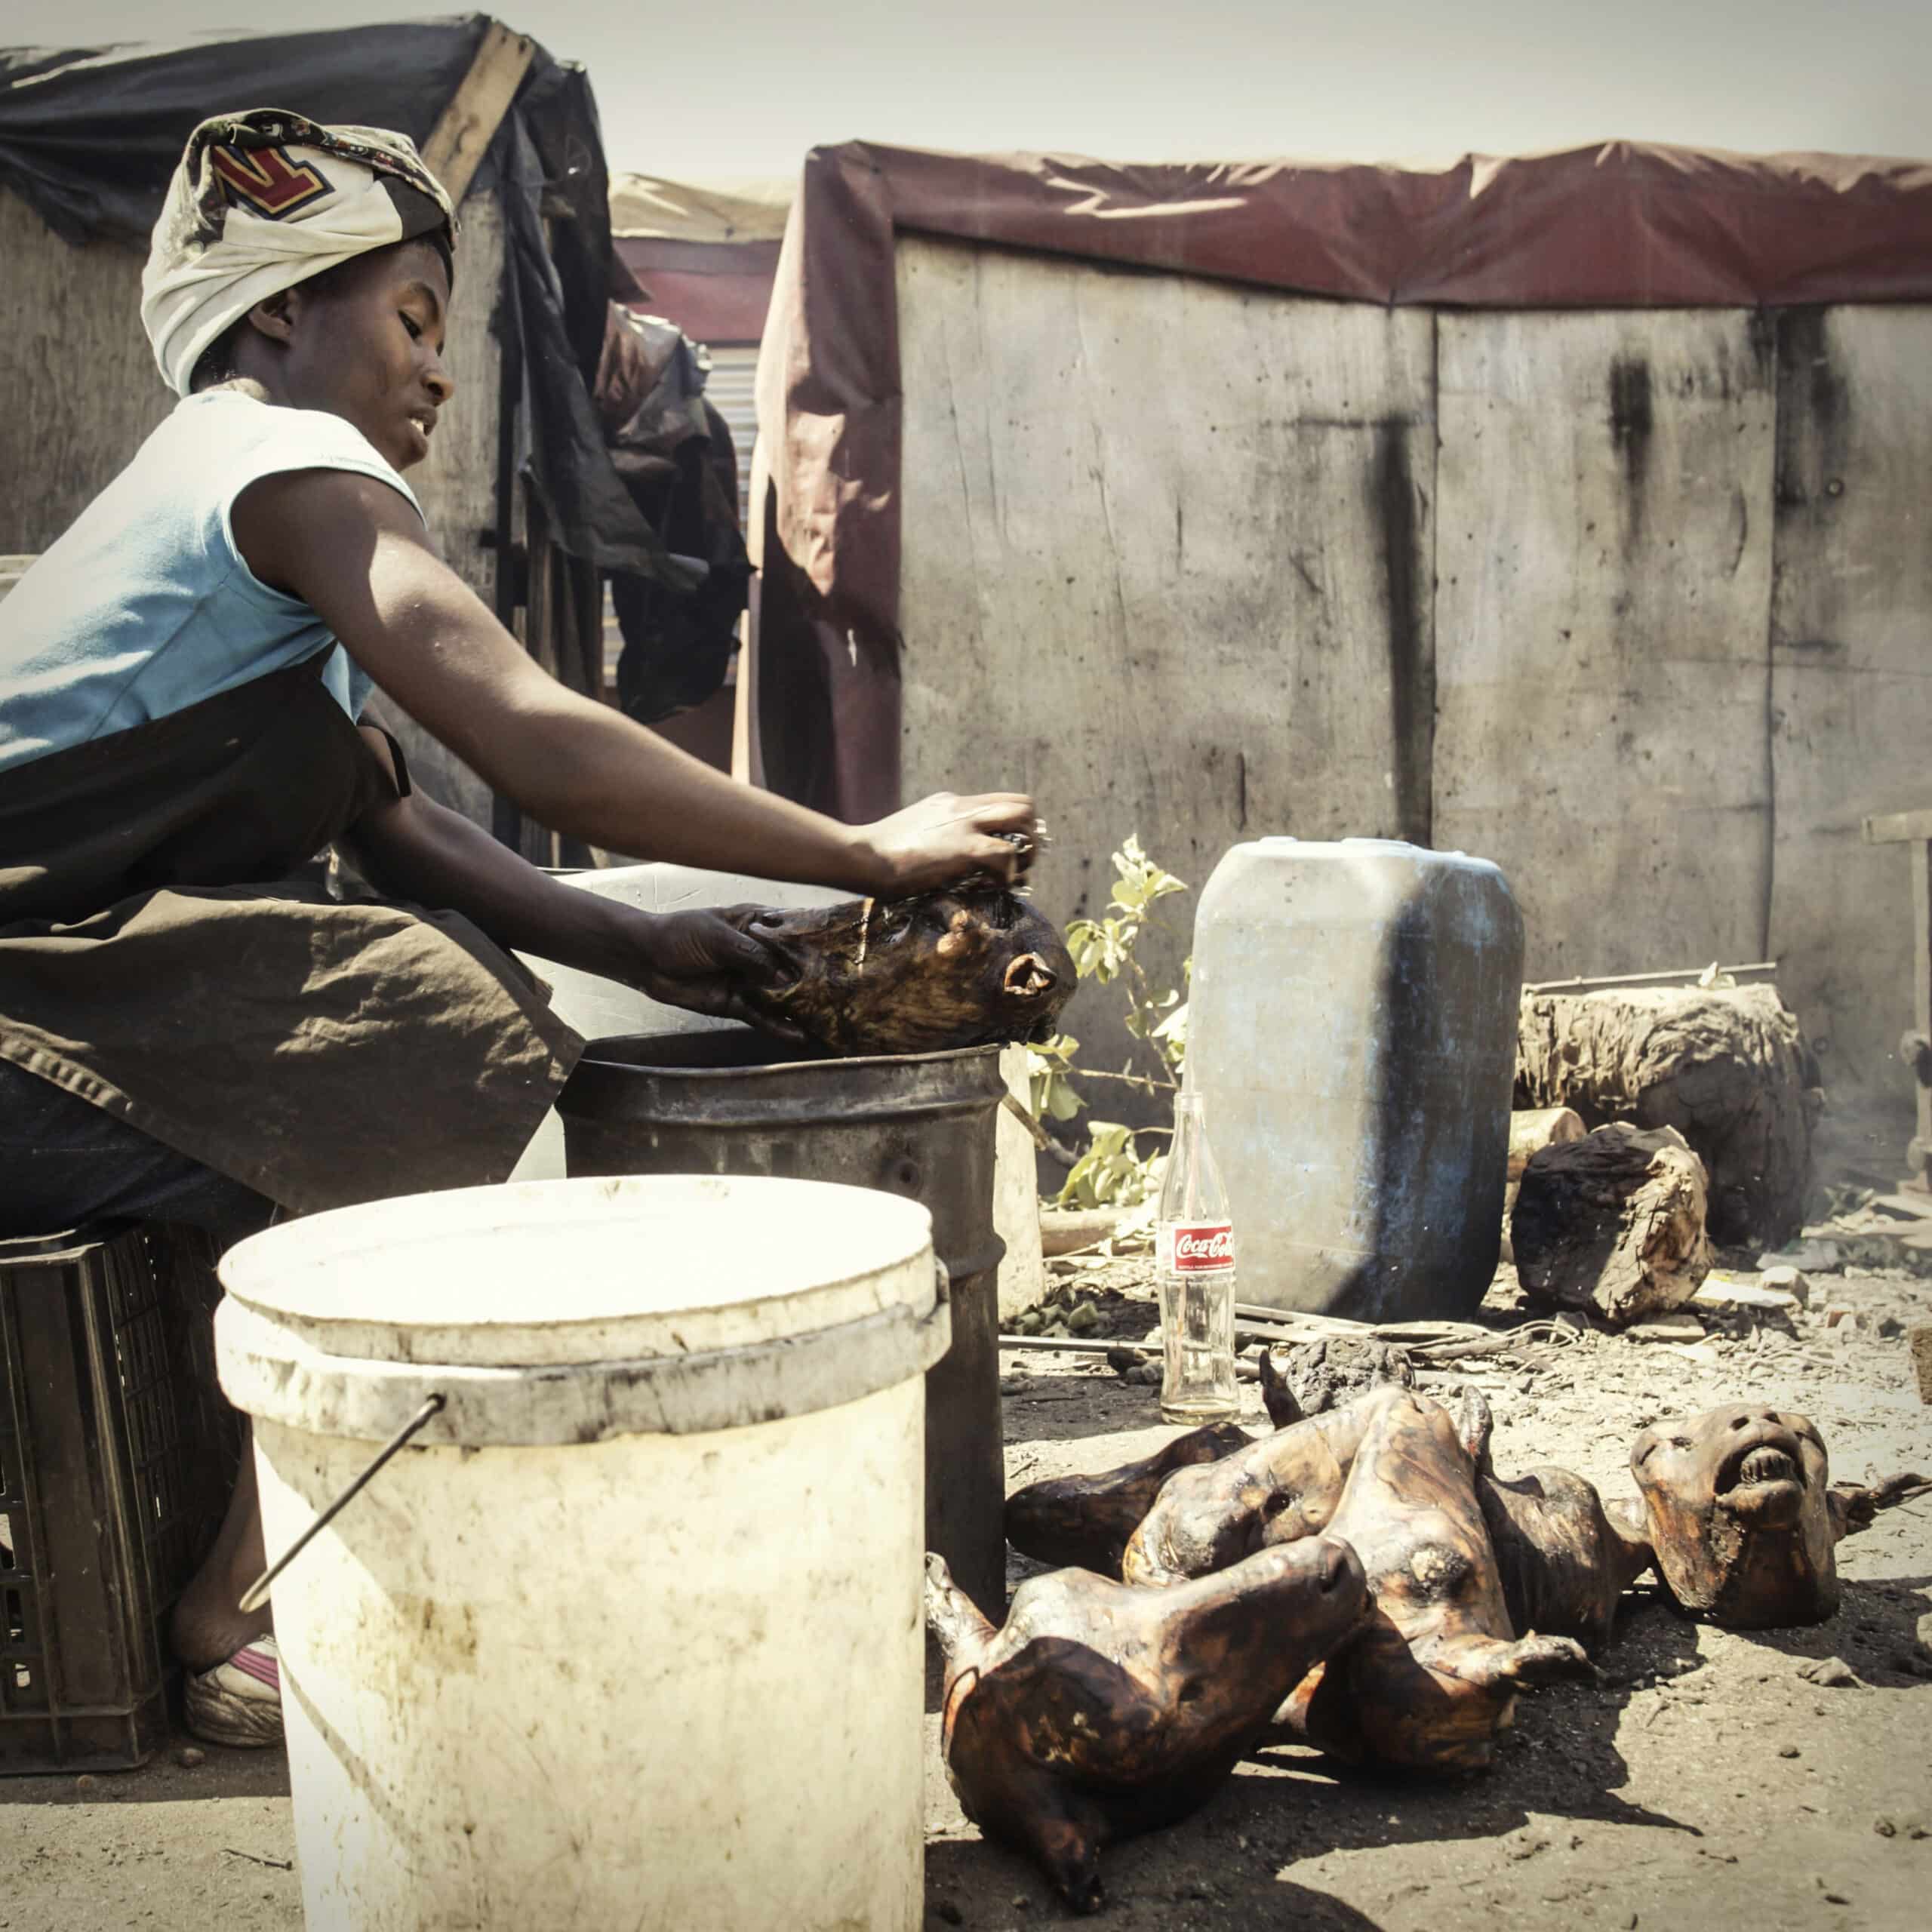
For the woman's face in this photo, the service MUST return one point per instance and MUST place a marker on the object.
(366, 343)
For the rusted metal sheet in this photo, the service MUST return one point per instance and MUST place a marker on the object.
(1851, 702)
(1167, 550)
(1603, 563)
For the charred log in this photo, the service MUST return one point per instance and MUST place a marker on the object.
(1730, 1069)
(1613, 1223)
(1529, 1131)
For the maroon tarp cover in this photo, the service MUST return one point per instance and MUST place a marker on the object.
(1620, 226)
(717, 292)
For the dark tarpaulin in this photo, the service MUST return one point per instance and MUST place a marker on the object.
(1620, 226)
(89, 138)
(674, 451)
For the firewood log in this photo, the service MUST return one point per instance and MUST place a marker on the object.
(1613, 1223)
(1729, 1068)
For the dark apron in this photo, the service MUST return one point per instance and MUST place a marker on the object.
(158, 960)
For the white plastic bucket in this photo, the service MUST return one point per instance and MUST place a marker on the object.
(630, 1636)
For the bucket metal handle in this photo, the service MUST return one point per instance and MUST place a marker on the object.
(942, 1294)
(257, 1592)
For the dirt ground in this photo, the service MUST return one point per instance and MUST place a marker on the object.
(1705, 1783)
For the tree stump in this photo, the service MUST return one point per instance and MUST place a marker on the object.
(1728, 1068)
(1613, 1223)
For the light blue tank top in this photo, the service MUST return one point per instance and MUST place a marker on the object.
(145, 607)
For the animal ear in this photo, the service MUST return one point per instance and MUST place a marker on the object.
(1531, 1660)
(1283, 1408)
(1028, 977)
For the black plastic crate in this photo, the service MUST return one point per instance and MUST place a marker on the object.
(117, 1453)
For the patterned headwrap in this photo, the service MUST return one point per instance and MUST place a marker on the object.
(263, 200)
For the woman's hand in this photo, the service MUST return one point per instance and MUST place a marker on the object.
(701, 962)
(945, 838)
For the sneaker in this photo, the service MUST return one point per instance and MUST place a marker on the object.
(237, 1703)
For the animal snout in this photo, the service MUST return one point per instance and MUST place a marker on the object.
(1337, 1567)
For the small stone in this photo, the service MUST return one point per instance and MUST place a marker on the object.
(1674, 1327)
(1084, 1319)
(1923, 1636)
(1786, 1281)
(1833, 1673)
(1728, 1294)
(1021, 1903)
(1820, 1257)
(950, 1912)
(191, 1757)
(1885, 1828)
(87, 1782)
(1889, 1328)
(1787, 1750)
(1839, 1316)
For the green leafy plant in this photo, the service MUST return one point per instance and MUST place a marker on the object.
(1112, 1171)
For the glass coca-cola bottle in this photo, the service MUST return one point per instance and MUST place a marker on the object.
(1195, 1252)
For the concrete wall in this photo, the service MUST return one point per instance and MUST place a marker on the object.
(79, 393)
(1637, 603)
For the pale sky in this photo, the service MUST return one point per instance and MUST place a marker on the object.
(726, 88)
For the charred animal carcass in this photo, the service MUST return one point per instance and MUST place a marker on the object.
(974, 966)
(1085, 1521)
(1431, 1678)
(1743, 1516)
(1098, 1711)
(1287, 1486)
(1565, 1558)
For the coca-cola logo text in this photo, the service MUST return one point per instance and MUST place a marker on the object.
(1210, 1247)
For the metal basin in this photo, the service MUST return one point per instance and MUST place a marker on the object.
(919, 1124)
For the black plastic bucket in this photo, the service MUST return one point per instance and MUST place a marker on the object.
(922, 1125)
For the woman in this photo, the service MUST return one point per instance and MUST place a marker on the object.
(191, 1026)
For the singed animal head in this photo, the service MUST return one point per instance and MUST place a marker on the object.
(968, 967)
(1739, 1514)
